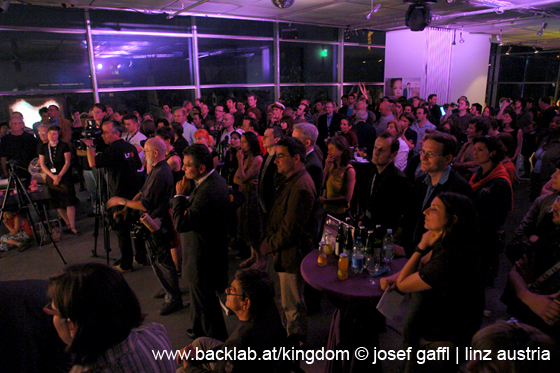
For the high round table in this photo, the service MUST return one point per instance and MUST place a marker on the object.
(355, 322)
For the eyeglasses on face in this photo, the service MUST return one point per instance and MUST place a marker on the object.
(428, 155)
(229, 292)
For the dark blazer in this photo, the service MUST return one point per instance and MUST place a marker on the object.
(268, 181)
(314, 168)
(366, 136)
(289, 232)
(202, 226)
(325, 132)
(386, 202)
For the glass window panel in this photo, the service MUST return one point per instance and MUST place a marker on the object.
(43, 61)
(364, 64)
(508, 90)
(366, 37)
(374, 91)
(292, 96)
(219, 96)
(146, 101)
(222, 26)
(307, 63)
(512, 68)
(552, 68)
(139, 61)
(43, 16)
(135, 21)
(537, 91)
(225, 61)
(537, 66)
(311, 32)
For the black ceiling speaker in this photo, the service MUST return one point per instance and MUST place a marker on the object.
(418, 15)
(4, 4)
(283, 3)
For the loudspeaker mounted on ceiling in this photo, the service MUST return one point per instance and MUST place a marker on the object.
(283, 3)
(419, 14)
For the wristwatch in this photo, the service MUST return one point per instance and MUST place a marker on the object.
(419, 250)
(123, 202)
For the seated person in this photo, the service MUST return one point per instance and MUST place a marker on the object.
(531, 228)
(251, 297)
(20, 232)
(534, 281)
(512, 336)
(96, 313)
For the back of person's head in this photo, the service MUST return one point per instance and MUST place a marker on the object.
(200, 155)
(461, 217)
(490, 122)
(258, 287)
(361, 115)
(148, 128)
(294, 147)
(508, 144)
(449, 142)
(512, 337)
(342, 144)
(163, 121)
(545, 100)
(166, 133)
(101, 305)
(309, 131)
(177, 128)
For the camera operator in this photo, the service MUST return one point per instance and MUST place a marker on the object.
(121, 161)
(91, 130)
(153, 199)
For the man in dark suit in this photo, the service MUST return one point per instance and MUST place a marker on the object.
(329, 125)
(307, 134)
(199, 218)
(269, 178)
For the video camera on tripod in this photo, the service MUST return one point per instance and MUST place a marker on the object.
(92, 132)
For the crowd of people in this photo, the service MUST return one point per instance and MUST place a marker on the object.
(261, 179)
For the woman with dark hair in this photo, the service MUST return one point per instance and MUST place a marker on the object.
(493, 197)
(340, 178)
(55, 159)
(180, 143)
(509, 125)
(148, 128)
(249, 225)
(443, 278)
(230, 161)
(488, 112)
(287, 125)
(410, 135)
(98, 316)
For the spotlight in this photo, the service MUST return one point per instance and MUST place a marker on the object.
(373, 10)
(449, 1)
(454, 35)
(499, 38)
(535, 49)
(99, 66)
(543, 27)
(4, 4)
(499, 10)
(461, 40)
(283, 3)
(509, 50)
(418, 15)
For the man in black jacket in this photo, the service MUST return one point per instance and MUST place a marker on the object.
(436, 155)
(328, 124)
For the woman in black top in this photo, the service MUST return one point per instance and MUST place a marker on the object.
(55, 158)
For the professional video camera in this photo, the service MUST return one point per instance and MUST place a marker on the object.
(90, 132)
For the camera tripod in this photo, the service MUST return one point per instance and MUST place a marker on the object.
(21, 192)
(101, 216)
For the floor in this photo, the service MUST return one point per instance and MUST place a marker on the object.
(42, 262)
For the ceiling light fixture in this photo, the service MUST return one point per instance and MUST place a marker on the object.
(543, 27)
(454, 34)
(461, 40)
(535, 49)
(282, 4)
(419, 14)
(374, 9)
(499, 38)
(509, 50)
(449, 1)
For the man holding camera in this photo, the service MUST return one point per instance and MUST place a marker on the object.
(153, 199)
(121, 161)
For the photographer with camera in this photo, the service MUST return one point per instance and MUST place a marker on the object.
(121, 162)
(153, 199)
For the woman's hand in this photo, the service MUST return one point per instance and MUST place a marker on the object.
(240, 157)
(56, 179)
(429, 239)
(390, 282)
(322, 200)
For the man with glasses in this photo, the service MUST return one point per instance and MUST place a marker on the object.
(17, 147)
(290, 232)
(251, 298)
(436, 155)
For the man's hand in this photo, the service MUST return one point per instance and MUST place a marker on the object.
(88, 142)
(183, 186)
(114, 201)
(545, 306)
